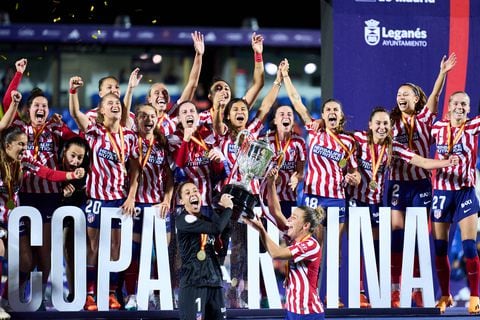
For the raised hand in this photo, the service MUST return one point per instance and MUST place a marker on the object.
(448, 64)
(198, 42)
(21, 65)
(76, 82)
(257, 43)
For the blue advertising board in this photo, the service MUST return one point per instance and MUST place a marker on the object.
(380, 44)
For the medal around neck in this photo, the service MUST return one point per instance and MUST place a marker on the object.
(373, 185)
(10, 204)
(201, 255)
(342, 163)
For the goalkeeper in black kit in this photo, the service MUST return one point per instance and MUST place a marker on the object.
(201, 293)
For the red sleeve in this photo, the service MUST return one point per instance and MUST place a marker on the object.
(218, 167)
(182, 154)
(7, 98)
(51, 175)
(67, 133)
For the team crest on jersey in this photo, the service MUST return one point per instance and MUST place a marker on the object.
(90, 217)
(394, 201)
(437, 213)
(303, 246)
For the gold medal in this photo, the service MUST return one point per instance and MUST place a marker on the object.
(342, 163)
(10, 204)
(201, 255)
(234, 282)
(373, 185)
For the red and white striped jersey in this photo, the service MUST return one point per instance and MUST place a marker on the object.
(196, 164)
(43, 145)
(107, 179)
(294, 150)
(206, 117)
(362, 192)
(302, 282)
(464, 174)
(419, 143)
(30, 167)
(230, 149)
(167, 125)
(151, 187)
(324, 174)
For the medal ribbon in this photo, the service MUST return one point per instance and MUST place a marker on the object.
(376, 162)
(457, 136)
(119, 151)
(279, 147)
(203, 241)
(200, 142)
(36, 137)
(337, 140)
(410, 127)
(11, 184)
(143, 161)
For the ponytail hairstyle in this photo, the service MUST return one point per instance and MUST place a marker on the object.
(10, 169)
(388, 140)
(313, 216)
(396, 113)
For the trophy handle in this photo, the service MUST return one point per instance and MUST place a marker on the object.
(247, 138)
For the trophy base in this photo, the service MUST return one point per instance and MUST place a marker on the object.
(243, 201)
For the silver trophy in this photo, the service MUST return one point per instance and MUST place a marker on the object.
(253, 160)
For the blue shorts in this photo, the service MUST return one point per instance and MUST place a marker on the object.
(286, 207)
(313, 201)
(403, 194)
(454, 205)
(295, 316)
(138, 218)
(92, 209)
(374, 210)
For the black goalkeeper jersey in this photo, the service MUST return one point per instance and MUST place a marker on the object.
(195, 272)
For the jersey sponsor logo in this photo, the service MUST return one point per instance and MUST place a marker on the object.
(232, 148)
(327, 153)
(443, 148)
(107, 154)
(156, 160)
(42, 146)
(200, 161)
(288, 165)
(403, 138)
